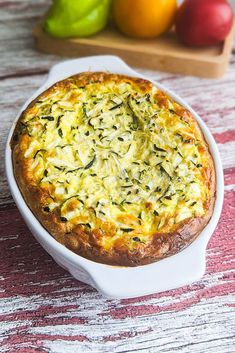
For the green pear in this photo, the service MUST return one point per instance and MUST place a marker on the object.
(77, 18)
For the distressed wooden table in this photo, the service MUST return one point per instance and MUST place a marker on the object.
(42, 308)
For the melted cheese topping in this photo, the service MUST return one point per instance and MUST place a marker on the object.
(113, 158)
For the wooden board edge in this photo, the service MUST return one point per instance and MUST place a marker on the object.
(208, 68)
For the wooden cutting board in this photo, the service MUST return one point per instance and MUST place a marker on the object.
(164, 53)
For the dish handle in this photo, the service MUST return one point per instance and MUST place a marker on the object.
(181, 269)
(92, 63)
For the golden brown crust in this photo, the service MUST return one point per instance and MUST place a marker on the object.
(84, 241)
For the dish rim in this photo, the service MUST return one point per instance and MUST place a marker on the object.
(94, 269)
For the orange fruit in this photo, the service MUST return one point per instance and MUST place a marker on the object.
(144, 18)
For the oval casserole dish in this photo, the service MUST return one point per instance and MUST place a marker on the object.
(114, 169)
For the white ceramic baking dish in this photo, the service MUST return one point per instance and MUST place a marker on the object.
(121, 282)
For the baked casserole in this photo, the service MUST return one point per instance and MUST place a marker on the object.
(114, 169)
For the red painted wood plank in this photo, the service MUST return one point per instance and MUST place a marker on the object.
(28, 270)
(229, 176)
(224, 137)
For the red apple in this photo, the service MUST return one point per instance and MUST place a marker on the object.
(203, 22)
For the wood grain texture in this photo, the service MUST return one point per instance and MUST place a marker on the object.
(42, 308)
(164, 53)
